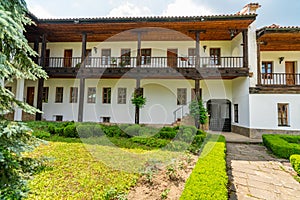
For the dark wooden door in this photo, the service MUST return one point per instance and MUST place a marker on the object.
(68, 58)
(290, 73)
(47, 58)
(30, 95)
(219, 111)
(172, 58)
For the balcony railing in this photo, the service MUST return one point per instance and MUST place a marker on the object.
(280, 79)
(145, 61)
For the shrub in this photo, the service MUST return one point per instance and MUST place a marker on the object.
(98, 131)
(85, 131)
(41, 134)
(177, 146)
(166, 133)
(147, 131)
(113, 131)
(209, 179)
(133, 130)
(70, 131)
(59, 131)
(280, 146)
(295, 161)
(150, 142)
(51, 129)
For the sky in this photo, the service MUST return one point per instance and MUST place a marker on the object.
(284, 13)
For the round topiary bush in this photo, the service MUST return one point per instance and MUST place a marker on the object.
(133, 130)
(70, 131)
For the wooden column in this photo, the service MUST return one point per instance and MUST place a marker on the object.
(137, 92)
(39, 105)
(82, 79)
(245, 49)
(197, 49)
(258, 64)
(197, 89)
(139, 50)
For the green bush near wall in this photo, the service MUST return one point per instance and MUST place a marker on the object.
(209, 178)
(295, 161)
(282, 146)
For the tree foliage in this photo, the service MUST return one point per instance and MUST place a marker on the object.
(198, 111)
(15, 63)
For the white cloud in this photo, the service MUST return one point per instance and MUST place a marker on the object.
(186, 8)
(39, 11)
(129, 9)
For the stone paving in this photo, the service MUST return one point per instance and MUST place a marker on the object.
(255, 174)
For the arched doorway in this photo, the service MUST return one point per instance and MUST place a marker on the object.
(219, 111)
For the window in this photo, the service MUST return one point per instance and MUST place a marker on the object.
(267, 70)
(105, 119)
(193, 93)
(106, 98)
(181, 96)
(215, 56)
(73, 94)
(88, 54)
(106, 53)
(236, 113)
(45, 94)
(91, 95)
(121, 95)
(146, 56)
(192, 56)
(58, 118)
(125, 57)
(282, 114)
(59, 94)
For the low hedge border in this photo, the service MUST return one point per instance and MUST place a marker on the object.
(282, 146)
(209, 178)
(295, 161)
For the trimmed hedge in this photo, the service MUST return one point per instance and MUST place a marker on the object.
(295, 161)
(282, 146)
(209, 178)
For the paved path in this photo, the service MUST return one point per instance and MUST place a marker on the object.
(254, 174)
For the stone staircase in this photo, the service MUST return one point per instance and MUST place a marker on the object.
(185, 121)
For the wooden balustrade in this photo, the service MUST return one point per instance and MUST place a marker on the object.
(146, 62)
(280, 79)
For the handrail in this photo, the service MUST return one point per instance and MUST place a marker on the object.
(289, 79)
(145, 62)
(181, 108)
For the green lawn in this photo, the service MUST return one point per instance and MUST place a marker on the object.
(76, 170)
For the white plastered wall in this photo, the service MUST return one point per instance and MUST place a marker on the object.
(264, 114)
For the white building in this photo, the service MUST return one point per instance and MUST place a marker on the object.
(247, 78)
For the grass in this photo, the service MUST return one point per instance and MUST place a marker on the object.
(79, 170)
(209, 178)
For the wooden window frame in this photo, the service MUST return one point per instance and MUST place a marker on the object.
(91, 95)
(265, 69)
(59, 95)
(45, 95)
(215, 56)
(283, 114)
(122, 92)
(59, 118)
(106, 59)
(181, 96)
(236, 113)
(191, 56)
(125, 57)
(73, 94)
(146, 56)
(106, 95)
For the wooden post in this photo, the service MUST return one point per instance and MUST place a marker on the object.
(197, 49)
(137, 92)
(82, 79)
(258, 64)
(139, 50)
(197, 89)
(39, 105)
(245, 49)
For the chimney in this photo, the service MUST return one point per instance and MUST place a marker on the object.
(249, 9)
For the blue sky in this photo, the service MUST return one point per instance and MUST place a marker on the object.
(285, 13)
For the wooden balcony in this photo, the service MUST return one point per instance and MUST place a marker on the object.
(280, 79)
(168, 67)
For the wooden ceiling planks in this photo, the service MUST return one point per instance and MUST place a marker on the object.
(60, 31)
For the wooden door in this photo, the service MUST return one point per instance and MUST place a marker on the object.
(219, 111)
(290, 73)
(30, 95)
(172, 58)
(68, 58)
(47, 59)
